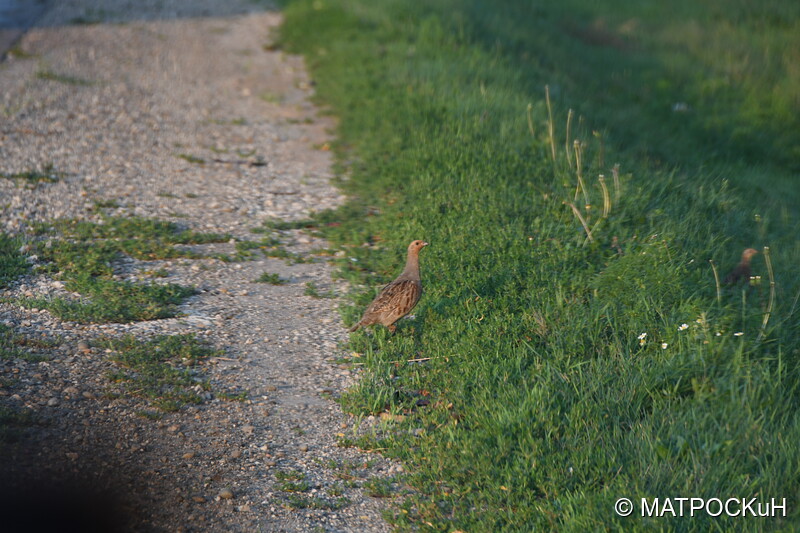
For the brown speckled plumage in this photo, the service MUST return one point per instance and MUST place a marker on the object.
(399, 297)
(742, 270)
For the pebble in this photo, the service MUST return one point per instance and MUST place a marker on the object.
(226, 494)
(83, 347)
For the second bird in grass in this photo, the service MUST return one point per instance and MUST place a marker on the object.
(399, 297)
(742, 271)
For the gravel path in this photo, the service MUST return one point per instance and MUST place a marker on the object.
(123, 110)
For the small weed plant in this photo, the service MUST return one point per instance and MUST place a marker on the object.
(272, 278)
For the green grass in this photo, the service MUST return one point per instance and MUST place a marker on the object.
(160, 235)
(49, 75)
(108, 300)
(17, 52)
(232, 396)
(378, 487)
(12, 261)
(12, 423)
(163, 371)
(83, 254)
(272, 278)
(8, 348)
(543, 402)
(268, 245)
(34, 177)
(313, 291)
(12, 346)
(109, 203)
(289, 475)
(295, 484)
(291, 481)
(192, 159)
(289, 224)
(679, 84)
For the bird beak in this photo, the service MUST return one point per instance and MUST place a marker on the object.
(424, 243)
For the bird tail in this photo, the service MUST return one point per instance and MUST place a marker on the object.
(358, 325)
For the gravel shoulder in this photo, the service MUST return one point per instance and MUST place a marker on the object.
(180, 113)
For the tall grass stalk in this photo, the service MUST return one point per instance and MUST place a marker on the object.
(716, 280)
(582, 220)
(615, 175)
(529, 116)
(550, 124)
(579, 170)
(606, 197)
(566, 141)
(771, 302)
(601, 153)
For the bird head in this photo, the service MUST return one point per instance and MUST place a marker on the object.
(748, 254)
(416, 246)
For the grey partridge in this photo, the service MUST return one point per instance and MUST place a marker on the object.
(742, 270)
(399, 297)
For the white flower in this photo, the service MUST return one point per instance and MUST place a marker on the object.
(683, 327)
(642, 339)
(719, 334)
(738, 334)
(664, 345)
